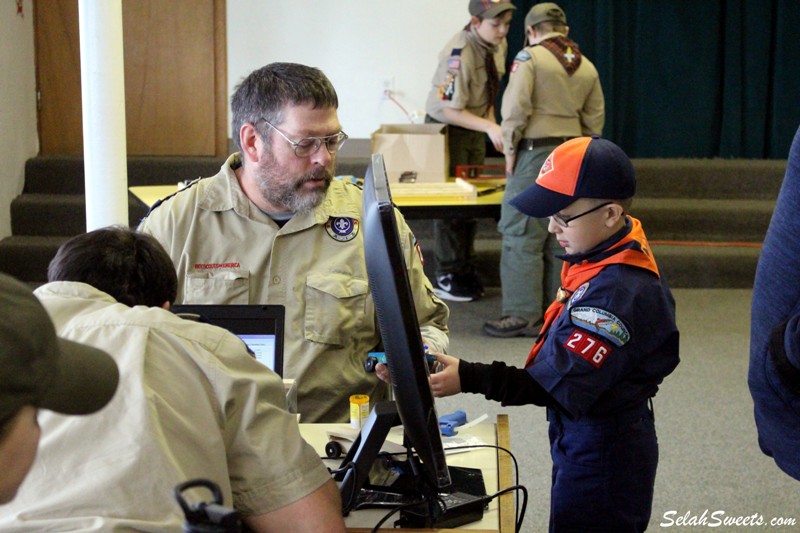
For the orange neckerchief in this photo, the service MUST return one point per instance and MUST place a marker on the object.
(632, 249)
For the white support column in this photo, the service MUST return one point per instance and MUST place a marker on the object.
(105, 152)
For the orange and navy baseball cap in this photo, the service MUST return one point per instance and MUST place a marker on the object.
(583, 167)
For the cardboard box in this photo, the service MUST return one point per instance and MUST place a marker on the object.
(419, 148)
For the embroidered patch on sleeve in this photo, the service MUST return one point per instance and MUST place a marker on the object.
(601, 322)
(522, 55)
(448, 88)
(588, 347)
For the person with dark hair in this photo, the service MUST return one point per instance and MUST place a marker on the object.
(463, 93)
(274, 227)
(118, 262)
(193, 403)
(39, 370)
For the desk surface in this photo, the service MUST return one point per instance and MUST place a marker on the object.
(486, 206)
(496, 468)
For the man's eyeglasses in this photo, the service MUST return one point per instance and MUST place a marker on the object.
(309, 145)
(564, 222)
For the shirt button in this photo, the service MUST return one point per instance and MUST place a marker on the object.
(276, 280)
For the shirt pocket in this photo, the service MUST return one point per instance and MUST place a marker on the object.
(335, 306)
(217, 287)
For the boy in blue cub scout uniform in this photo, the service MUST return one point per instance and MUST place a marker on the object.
(607, 342)
(462, 95)
(774, 375)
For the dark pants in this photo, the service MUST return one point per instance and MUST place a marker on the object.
(603, 472)
(454, 246)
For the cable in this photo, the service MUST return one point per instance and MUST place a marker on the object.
(390, 95)
(394, 512)
(519, 510)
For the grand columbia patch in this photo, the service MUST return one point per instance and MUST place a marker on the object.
(342, 229)
(601, 322)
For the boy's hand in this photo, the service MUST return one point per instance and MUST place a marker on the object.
(382, 371)
(446, 382)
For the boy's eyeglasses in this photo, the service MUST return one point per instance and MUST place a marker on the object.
(308, 146)
(564, 222)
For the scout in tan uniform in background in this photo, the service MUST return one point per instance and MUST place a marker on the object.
(274, 227)
(465, 87)
(553, 94)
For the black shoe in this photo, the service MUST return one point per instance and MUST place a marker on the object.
(455, 288)
(470, 277)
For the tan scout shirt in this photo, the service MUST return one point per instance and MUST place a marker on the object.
(191, 403)
(541, 100)
(460, 79)
(227, 251)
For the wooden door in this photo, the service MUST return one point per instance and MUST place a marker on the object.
(175, 77)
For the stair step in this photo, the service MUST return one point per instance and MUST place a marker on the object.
(673, 219)
(757, 179)
(58, 214)
(27, 257)
(684, 266)
(65, 174)
(704, 220)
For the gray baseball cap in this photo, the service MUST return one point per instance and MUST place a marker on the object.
(545, 12)
(489, 9)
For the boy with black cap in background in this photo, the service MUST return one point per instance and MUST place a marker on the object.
(463, 93)
(607, 342)
(39, 370)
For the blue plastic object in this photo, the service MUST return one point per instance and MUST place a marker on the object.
(373, 358)
(448, 423)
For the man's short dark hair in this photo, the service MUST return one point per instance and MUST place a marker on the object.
(265, 92)
(132, 267)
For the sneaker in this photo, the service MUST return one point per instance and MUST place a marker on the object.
(455, 288)
(511, 326)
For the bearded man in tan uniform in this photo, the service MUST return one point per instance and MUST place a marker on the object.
(273, 226)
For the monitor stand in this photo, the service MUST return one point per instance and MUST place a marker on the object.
(461, 503)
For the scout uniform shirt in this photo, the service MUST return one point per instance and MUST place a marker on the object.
(461, 80)
(190, 404)
(227, 251)
(543, 99)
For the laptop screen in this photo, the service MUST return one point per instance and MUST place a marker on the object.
(259, 326)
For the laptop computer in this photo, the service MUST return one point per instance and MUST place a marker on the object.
(259, 326)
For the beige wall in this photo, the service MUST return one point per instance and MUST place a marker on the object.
(18, 138)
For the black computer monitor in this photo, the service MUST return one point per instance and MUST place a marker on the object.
(259, 326)
(413, 404)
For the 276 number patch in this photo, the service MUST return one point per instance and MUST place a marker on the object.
(588, 347)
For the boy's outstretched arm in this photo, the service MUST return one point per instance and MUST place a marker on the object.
(496, 381)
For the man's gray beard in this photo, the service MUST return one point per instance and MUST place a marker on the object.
(289, 195)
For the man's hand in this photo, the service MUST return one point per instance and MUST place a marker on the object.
(446, 382)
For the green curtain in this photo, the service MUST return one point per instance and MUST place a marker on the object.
(690, 78)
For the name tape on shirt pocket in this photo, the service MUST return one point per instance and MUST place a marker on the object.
(588, 347)
(601, 322)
